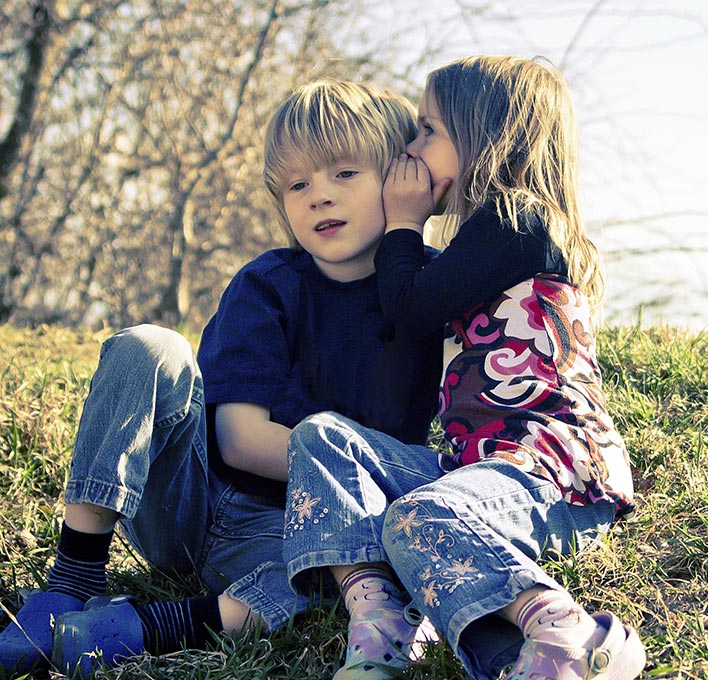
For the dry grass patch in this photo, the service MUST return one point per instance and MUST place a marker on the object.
(651, 571)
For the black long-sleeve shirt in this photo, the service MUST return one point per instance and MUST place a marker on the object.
(486, 257)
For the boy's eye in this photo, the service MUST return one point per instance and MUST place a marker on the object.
(347, 174)
(297, 186)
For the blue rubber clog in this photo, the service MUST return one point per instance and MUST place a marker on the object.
(27, 646)
(104, 634)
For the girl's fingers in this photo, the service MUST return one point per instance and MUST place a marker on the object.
(421, 172)
(414, 168)
(398, 165)
(391, 171)
(405, 168)
(398, 169)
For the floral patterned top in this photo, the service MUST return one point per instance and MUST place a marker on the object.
(526, 387)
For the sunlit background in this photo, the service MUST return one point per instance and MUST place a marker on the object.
(136, 193)
(637, 70)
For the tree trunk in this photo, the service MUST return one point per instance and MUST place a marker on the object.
(36, 48)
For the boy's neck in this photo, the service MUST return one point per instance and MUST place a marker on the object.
(343, 273)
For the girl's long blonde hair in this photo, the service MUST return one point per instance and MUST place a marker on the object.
(512, 123)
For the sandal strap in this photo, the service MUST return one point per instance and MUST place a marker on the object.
(618, 656)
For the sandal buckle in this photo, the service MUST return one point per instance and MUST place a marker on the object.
(412, 615)
(600, 660)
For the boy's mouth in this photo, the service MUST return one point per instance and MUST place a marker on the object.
(328, 224)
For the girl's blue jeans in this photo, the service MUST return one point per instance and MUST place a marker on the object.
(464, 543)
(141, 450)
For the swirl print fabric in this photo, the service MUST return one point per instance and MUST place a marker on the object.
(526, 387)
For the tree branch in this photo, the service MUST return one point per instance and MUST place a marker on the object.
(36, 48)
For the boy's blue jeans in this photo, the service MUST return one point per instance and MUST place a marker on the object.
(141, 451)
(464, 543)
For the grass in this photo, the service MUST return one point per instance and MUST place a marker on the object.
(652, 571)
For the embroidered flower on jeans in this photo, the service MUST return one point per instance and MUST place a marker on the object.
(462, 568)
(444, 573)
(430, 595)
(302, 507)
(407, 523)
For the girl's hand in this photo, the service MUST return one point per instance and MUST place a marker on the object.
(408, 197)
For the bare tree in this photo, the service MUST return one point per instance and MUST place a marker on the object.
(35, 47)
(136, 195)
(131, 132)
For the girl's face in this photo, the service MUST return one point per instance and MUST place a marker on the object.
(434, 147)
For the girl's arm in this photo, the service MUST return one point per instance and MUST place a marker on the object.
(485, 258)
(249, 440)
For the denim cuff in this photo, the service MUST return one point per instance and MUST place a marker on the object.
(104, 494)
(275, 614)
(298, 567)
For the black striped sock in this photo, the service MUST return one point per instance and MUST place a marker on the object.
(80, 566)
(170, 626)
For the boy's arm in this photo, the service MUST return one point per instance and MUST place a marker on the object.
(249, 440)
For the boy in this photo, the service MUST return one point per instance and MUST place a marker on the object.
(190, 456)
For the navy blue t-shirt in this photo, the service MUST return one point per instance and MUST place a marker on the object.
(288, 338)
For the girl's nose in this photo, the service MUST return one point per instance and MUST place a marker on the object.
(412, 148)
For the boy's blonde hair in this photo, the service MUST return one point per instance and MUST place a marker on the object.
(328, 121)
(512, 123)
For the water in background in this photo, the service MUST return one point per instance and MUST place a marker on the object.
(656, 272)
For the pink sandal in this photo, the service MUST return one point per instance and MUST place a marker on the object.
(620, 656)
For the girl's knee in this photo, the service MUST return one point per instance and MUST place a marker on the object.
(305, 432)
(304, 442)
(320, 422)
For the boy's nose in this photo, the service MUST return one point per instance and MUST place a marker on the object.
(321, 195)
(320, 202)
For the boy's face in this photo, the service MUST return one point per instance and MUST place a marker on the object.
(336, 214)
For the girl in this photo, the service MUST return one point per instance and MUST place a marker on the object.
(537, 467)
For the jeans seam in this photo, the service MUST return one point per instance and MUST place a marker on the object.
(194, 399)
